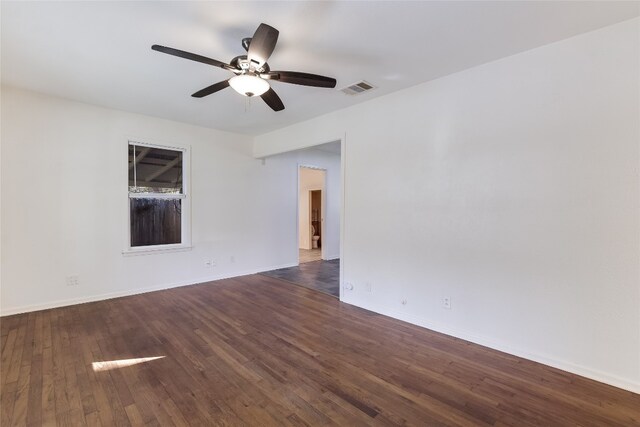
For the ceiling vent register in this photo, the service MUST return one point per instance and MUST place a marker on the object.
(358, 88)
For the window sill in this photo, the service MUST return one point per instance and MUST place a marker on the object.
(151, 251)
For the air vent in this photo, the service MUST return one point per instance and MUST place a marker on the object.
(357, 88)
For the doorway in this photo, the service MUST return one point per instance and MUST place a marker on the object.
(311, 187)
(319, 213)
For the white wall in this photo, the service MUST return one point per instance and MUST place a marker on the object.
(64, 204)
(310, 179)
(285, 166)
(512, 188)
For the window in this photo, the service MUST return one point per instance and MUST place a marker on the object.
(158, 203)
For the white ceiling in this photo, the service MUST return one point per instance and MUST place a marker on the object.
(100, 52)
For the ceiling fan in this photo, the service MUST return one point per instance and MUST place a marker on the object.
(252, 73)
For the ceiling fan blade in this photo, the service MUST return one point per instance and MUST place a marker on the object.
(192, 56)
(273, 100)
(262, 44)
(304, 79)
(211, 89)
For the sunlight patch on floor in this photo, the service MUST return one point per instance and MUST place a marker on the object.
(122, 363)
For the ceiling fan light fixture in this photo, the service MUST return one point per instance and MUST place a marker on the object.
(249, 85)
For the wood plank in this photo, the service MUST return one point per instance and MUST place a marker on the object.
(19, 345)
(47, 398)
(7, 403)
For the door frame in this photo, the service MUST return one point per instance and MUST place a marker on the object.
(342, 139)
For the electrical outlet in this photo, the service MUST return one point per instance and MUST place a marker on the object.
(348, 286)
(367, 286)
(208, 263)
(232, 259)
(73, 281)
(403, 302)
(446, 303)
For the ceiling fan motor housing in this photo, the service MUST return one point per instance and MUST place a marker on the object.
(242, 64)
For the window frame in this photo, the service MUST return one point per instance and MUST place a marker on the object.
(185, 196)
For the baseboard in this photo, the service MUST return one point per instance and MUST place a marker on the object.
(583, 371)
(128, 292)
(331, 257)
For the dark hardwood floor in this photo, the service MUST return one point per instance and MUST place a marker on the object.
(257, 351)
